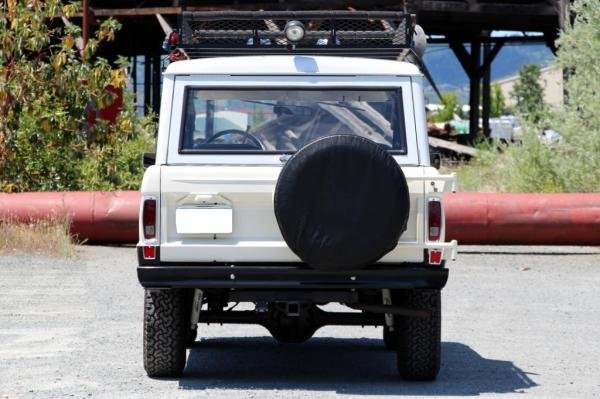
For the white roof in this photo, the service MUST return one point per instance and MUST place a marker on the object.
(291, 65)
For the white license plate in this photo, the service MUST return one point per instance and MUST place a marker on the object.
(202, 220)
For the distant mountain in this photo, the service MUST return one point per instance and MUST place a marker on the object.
(449, 75)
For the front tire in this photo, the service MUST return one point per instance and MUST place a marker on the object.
(419, 338)
(164, 332)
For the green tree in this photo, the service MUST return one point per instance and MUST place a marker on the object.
(497, 103)
(450, 107)
(529, 93)
(578, 121)
(48, 87)
(573, 163)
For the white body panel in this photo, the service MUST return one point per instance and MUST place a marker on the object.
(255, 235)
(219, 207)
(273, 65)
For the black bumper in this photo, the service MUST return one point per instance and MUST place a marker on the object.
(290, 276)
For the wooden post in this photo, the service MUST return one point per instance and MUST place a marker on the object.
(86, 22)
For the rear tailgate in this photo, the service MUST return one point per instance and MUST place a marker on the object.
(225, 214)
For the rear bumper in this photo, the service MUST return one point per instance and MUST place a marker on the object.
(290, 276)
(253, 251)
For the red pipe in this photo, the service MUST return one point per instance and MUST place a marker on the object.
(471, 218)
(98, 217)
(520, 218)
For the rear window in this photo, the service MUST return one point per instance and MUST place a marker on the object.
(285, 120)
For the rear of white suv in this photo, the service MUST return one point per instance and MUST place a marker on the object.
(288, 182)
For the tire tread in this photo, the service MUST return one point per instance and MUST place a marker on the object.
(419, 339)
(164, 333)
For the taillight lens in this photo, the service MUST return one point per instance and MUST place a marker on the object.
(174, 39)
(149, 252)
(149, 219)
(435, 219)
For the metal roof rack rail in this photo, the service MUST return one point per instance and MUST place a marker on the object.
(385, 34)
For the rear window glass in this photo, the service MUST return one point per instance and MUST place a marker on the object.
(283, 121)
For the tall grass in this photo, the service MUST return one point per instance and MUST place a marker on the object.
(48, 237)
(570, 165)
(532, 166)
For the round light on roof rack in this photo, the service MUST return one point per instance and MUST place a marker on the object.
(294, 31)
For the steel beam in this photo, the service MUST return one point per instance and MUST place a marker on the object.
(485, 95)
(147, 83)
(474, 90)
(476, 69)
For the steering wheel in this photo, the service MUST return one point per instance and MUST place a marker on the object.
(247, 136)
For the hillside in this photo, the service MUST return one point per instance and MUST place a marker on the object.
(449, 75)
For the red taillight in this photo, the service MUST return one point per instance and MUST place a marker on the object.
(435, 257)
(149, 219)
(435, 219)
(149, 252)
(174, 39)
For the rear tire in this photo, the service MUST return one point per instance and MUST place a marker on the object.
(419, 339)
(165, 332)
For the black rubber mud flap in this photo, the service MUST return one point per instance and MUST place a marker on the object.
(341, 203)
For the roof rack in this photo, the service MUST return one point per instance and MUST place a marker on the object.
(385, 35)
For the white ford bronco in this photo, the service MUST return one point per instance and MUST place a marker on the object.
(291, 171)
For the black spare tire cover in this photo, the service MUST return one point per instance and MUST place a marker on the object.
(341, 202)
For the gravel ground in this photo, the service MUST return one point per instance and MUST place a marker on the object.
(517, 320)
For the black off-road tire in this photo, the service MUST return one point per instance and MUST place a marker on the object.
(419, 338)
(165, 331)
(390, 339)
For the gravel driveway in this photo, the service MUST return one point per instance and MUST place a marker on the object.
(516, 320)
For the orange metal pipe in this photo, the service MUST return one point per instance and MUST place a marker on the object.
(98, 217)
(471, 218)
(523, 219)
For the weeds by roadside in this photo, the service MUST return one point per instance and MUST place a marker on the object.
(571, 165)
(48, 237)
(533, 166)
